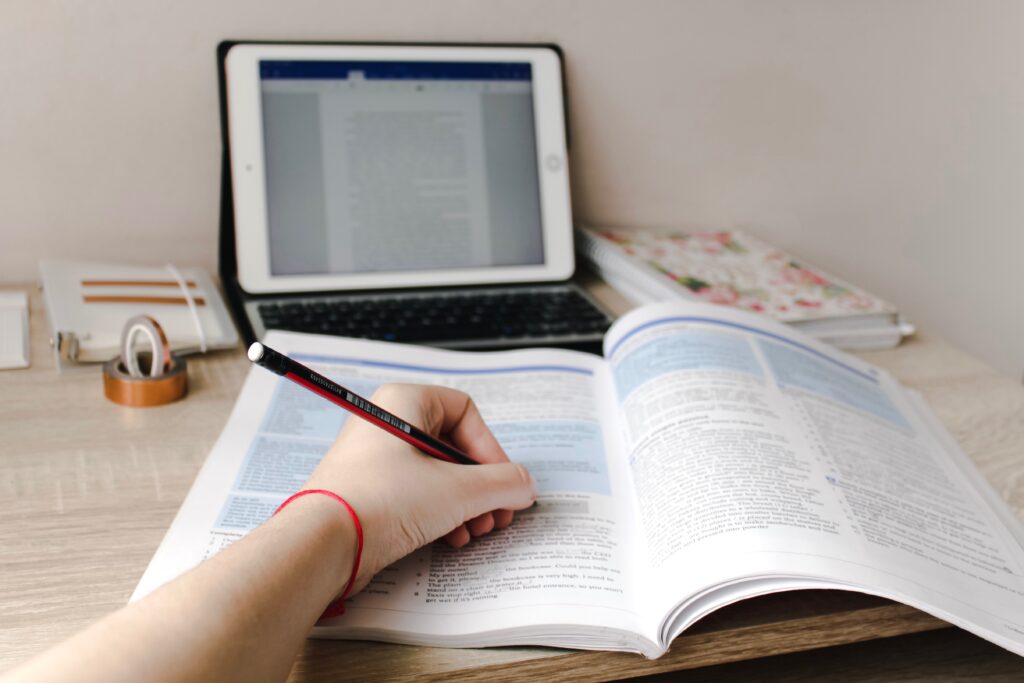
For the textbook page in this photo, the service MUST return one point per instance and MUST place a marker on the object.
(564, 562)
(760, 455)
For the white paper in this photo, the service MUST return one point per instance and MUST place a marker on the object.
(566, 561)
(714, 456)
(759, 452)
(13, 330)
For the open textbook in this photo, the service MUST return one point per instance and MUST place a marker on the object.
(709, 456)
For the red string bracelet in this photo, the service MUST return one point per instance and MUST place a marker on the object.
(337, 607)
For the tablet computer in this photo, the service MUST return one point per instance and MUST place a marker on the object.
(367, 167)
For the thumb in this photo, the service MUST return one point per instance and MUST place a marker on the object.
(504, 486)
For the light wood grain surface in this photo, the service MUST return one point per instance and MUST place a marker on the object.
(88, 488)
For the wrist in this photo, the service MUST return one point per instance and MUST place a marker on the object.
(332, 535)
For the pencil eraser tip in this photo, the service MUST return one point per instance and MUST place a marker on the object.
(255, 351)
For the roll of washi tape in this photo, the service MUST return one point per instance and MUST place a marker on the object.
(123, 379)
(161, 350)
(120, 387)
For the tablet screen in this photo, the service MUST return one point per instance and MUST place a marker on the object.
(385, 166)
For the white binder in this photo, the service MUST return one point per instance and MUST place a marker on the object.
(87, 305)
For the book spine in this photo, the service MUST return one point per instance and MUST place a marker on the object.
(616, 266)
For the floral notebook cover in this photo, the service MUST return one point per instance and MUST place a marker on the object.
(736, 269)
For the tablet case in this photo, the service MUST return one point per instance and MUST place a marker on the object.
(227, 255)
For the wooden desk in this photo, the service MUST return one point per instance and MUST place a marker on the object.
(88, 488)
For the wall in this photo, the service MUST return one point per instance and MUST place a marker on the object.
(882, 140)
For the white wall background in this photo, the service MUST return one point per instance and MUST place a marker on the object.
(883, 140)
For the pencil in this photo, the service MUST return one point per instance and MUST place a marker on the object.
(281, 364)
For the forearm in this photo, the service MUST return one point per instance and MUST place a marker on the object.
(242, 615)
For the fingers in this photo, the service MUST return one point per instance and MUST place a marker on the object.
(502, 518)
(490, 494)
(485, 495)
(506, 486)
(456, 415)
(457, 537)
(443, 411)
(478, 526)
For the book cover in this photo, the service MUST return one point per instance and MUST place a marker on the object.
(736, 269)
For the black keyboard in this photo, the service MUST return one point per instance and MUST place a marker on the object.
(505, 316)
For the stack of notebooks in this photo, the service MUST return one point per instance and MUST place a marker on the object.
(736, 269)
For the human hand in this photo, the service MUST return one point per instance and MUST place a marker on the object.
(247, 610)
(406, 499)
